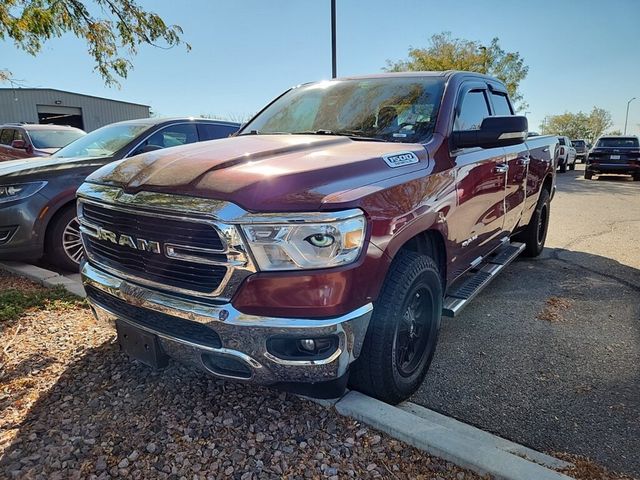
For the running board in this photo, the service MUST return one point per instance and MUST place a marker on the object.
(482, 276)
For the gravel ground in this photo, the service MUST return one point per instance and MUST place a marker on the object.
(73, 406)
(548, 355)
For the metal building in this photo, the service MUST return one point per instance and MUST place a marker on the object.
(47, 105)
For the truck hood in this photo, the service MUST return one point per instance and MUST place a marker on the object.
(267, 173)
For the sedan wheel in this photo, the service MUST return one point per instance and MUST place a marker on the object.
(71, 241)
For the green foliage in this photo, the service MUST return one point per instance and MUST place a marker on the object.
(447, 53)
(14, 303)
(578, 125)
(112, 29)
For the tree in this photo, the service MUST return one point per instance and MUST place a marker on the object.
(107, 26)
(578, 125)
(447, 53)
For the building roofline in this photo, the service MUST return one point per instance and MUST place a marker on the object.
(19, 89)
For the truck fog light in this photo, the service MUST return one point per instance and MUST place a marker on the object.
(308, 344)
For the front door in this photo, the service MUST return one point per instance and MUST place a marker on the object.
(477, 223)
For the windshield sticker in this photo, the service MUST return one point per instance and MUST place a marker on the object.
(400, 159)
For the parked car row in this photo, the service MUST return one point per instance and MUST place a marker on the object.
(37, 195)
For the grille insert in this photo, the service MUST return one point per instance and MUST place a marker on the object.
(156, 267)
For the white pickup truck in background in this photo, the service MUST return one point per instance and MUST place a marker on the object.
(566, 154)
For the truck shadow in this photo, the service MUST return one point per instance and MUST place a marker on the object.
(547, 356)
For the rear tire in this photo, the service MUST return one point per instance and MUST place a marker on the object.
(403, 331)
(572, 166)
(535, 234)
(636, 178)
(563, 167)
(588, 175)
(63, 247)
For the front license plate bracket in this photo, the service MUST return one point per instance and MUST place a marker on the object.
(141, 345)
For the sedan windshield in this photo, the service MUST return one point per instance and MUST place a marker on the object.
(402, 109)
(103, 142)
(54, 138)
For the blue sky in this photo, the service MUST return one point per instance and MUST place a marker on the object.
(581, 53)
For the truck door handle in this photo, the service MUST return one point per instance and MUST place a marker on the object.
(501, 168)
(524, 161)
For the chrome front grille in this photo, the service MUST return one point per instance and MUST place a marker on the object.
(188, 255)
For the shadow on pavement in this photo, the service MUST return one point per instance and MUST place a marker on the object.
(574, 182)
(569, 385)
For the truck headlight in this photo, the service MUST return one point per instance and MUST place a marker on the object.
(307, 245)
(20, 191)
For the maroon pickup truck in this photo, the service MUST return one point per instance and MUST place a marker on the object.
(322, 244)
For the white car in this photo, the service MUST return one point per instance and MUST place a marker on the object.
(566, 155)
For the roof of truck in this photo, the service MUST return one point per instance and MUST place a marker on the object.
(445, 73)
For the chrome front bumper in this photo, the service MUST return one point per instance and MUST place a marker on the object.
(243, 337)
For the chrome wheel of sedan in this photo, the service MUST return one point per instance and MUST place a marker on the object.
(71, 242)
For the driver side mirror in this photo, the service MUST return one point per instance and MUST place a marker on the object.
(19, 144)
(497, 131)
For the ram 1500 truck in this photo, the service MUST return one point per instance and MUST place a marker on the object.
(322, 244)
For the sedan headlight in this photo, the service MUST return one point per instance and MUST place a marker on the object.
(20, 191)
(306, 245)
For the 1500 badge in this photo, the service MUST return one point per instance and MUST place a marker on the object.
(400, 159)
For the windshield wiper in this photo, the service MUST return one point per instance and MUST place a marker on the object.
(352, 134)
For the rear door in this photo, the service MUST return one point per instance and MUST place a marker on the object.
(517, 161)
(477, 225)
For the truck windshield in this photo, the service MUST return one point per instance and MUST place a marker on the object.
(103, 142)
(630, 142)
(402, 109)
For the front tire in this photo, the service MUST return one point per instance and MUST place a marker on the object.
(63, 247)
(535, 234)
(403, 331)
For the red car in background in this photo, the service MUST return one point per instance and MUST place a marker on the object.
(19, 140)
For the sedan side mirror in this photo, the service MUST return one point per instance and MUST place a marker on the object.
(19, 144)
(493, 132)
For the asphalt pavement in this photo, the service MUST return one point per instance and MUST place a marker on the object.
(549, 354)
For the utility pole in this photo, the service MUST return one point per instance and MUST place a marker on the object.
(626, 118)
(334, 61)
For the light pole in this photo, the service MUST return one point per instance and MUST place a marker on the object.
(626, 118)
(334, 62)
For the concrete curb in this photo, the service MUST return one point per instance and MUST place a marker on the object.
(44, 277)
(451, 440)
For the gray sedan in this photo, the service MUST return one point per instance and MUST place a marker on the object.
(37, 196)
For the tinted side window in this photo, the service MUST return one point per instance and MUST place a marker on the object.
(6, 137)
(18, 135)
(501, 104)
(561, 141)
(173, 135)
(210, 131)
(473, 110)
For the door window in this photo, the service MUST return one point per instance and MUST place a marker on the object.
(173, 135)
(501, 104)
(212, 131)
(6, 137)
(473, 110)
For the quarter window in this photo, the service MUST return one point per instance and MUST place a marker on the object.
(473, 110)
(501, 104)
